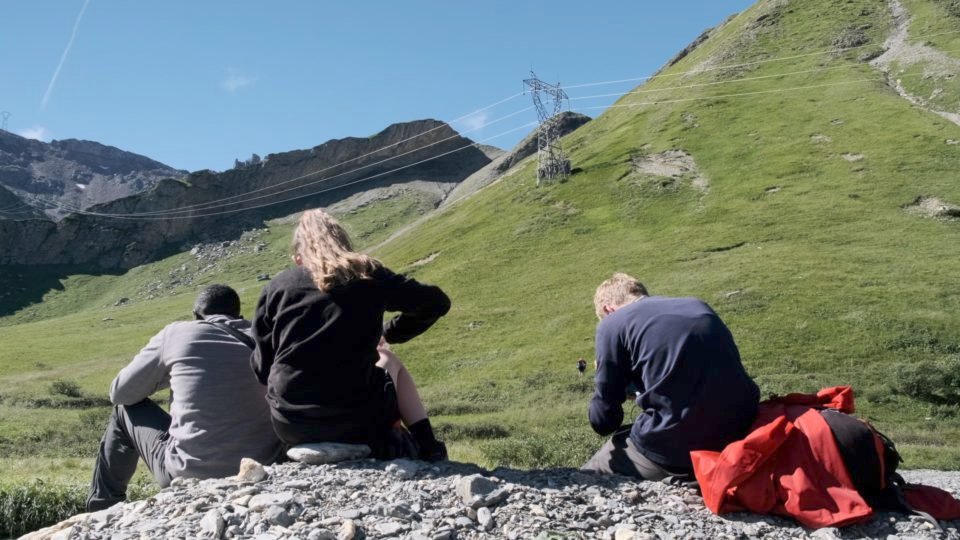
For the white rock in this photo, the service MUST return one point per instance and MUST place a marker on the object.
(320, 453)
(348, 530)
(251, 471)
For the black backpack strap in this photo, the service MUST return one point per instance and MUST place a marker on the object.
(241, 336)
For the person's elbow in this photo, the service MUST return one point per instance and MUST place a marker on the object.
(441, 303)
(118, 397)
(604, 418)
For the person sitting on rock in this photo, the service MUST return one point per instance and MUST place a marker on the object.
(322, 347)
(218, 414)
(679, 361)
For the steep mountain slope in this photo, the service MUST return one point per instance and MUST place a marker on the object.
(73, 173)
(771, 171)
(207, 206)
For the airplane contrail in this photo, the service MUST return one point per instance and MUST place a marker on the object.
(63, 58)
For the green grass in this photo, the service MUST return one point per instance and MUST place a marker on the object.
(824, 280)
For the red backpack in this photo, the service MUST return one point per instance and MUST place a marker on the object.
(872, 459)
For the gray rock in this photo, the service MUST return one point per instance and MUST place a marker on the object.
(277, 515)
(485, 518)
(463, 521)
(320, 453)
(390, 528)
(212, 524)
(265, 500)
(403, 468)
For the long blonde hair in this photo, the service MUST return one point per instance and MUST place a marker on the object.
(325, 250)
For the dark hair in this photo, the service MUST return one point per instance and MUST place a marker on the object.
(217, 300)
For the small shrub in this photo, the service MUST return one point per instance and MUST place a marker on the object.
(565, 448)
(35, 505)
(25, 508)
(934, 382)
(953, 7)
(474, 431)
(62, 387)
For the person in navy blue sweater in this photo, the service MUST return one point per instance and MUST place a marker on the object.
(679, 361)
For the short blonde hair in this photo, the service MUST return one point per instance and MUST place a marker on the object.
(325, 250)
(617, 291)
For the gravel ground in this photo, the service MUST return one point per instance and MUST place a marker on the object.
(417, 501)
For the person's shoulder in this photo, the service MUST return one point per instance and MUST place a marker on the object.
(290, 278)
(180, 328)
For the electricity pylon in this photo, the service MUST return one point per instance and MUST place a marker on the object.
(552, 164)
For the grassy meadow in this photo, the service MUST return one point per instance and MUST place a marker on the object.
(799, 236)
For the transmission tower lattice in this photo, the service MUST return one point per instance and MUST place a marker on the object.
(5, 115)
(552, 164)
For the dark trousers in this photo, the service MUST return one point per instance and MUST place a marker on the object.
(620, 455)
(133, 432)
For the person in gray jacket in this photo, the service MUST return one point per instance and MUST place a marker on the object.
(218, 413)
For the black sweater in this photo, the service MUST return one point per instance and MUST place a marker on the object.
(316, 351)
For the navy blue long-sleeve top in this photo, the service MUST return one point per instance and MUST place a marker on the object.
(692, 389)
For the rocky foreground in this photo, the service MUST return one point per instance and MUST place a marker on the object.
(416, 500)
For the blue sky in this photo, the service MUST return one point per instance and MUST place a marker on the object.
(195, 84)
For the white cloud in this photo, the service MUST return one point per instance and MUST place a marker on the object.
(474, 122)
(39, 133)
(235, 81)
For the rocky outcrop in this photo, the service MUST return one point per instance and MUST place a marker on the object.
(73, 173)
(207, 206)
(419, 501)
(567, 122)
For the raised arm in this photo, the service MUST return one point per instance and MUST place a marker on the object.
(143, 376)
(419, 305)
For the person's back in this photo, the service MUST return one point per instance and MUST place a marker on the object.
(323, 346)
(692, 390)
(219, 413)
(682, 359)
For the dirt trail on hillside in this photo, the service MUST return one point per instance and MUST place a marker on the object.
(903, 54)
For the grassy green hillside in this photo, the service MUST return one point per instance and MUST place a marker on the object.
(800, 240)
(778, 189)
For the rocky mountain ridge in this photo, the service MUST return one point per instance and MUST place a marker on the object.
(72, 173)
(421, 501)
(209, 206)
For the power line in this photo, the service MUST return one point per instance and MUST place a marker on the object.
(630, 105)
(740, 94)
(244, 196)
(4, 117)
(209, 203)
(313, 193)
(747, 64)
(739, 80)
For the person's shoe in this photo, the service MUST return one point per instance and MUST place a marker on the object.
(434, 452)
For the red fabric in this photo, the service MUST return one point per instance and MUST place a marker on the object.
(934, 501)
(788, 465)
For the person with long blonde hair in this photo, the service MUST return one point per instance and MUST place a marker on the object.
(323, 347)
